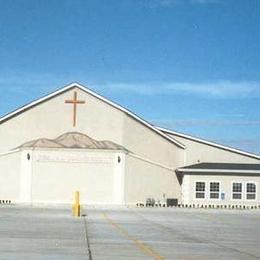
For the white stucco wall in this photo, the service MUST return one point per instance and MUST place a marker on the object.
(10, 165)
(188, 189)
(95, 118)
(143, 180)
(146, 143)
(56, 175)
(198, 152)
(53, 118)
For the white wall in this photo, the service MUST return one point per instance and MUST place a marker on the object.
(146, 180)
(58, 174)
(188, 189)
(198, 152)
(53, 118)
(95, 118)
(146, 143)
(10, 176)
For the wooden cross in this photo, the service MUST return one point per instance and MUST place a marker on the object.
(75, 102)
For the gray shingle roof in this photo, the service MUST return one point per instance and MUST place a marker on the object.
(224, 166)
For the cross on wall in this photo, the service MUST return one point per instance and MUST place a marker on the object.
(75, 102)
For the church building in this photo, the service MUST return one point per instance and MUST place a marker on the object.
(76, 140)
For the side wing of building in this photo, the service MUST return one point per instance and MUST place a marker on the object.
(215, 175)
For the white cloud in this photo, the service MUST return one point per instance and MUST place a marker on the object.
(219, 89)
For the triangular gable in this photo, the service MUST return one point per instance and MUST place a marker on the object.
(91, 92)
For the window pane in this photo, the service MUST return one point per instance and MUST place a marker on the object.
(237, 187)
(250, 187)
(214, 195)
(200, 186)
(214, 186)
(250, 196)
(200, 195)
(237, 196)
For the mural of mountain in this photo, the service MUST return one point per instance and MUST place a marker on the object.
(72, 140)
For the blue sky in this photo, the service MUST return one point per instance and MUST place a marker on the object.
(188, 65)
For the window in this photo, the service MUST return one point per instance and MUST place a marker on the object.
(214, 190)
(250, 191)
(237, 191)
(200, 190)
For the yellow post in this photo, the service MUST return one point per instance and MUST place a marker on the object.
(76, 206)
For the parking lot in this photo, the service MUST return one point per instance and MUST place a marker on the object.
(129, 233)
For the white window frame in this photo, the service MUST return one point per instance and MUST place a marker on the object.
(245, 197)
(205, 191)
(242, 190)
(219, 192)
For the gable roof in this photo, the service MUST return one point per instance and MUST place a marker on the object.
(91, 92)
(221, 168)
(202, 141)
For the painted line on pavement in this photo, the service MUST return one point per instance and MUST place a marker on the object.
(142, 246)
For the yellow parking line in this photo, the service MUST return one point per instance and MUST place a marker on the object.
(143, 247)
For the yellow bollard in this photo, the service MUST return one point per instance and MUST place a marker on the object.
(76, 206)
